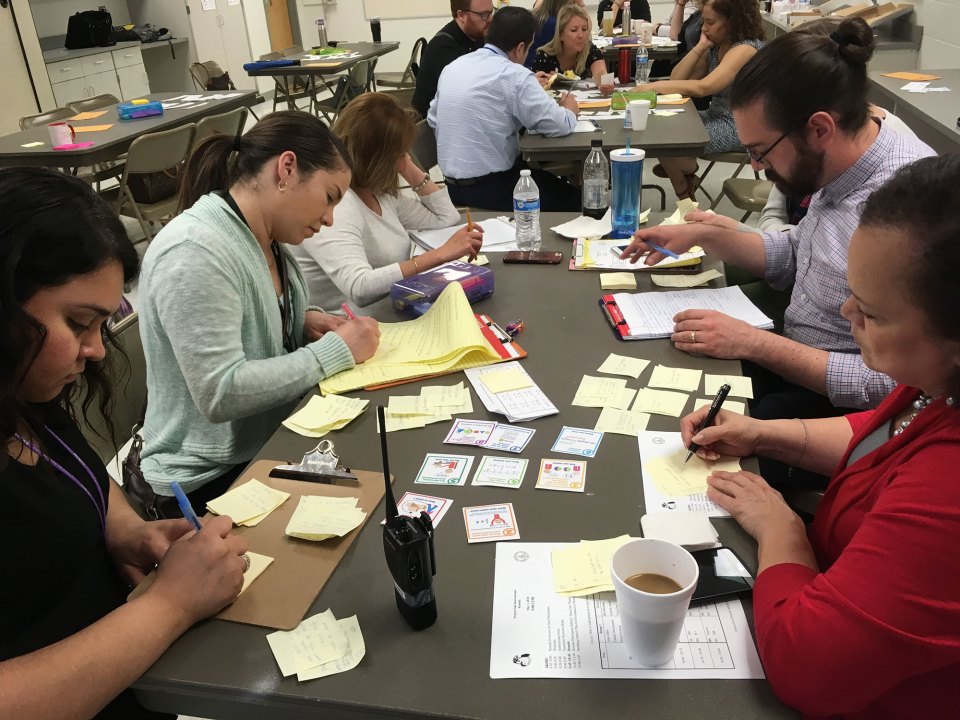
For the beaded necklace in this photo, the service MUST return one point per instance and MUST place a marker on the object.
(918, 406)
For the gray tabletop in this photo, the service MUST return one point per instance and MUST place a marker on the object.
(225, 670)
(108, 144)
(932, 116)
(682, 134)
(367, 50)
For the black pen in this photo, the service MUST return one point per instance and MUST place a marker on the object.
(711, 416)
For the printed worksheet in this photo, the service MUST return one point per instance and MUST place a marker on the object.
(655, 449)
(526, 403)
(538, 633)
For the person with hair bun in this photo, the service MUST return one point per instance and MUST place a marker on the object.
(367, 248)
(801, 110)
(732, 33)
(70, 642)
(230, 342)
(859, 615)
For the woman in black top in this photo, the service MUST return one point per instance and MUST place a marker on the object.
(571, 50)
(73, 547)
(639, 10)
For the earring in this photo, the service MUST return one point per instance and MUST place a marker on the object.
(282, 186)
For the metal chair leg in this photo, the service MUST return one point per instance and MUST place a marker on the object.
(663, 194)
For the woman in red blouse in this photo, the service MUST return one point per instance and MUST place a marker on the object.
(859, 615)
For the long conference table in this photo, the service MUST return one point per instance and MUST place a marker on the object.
(113, 142)
(225, 670)
(933, 116)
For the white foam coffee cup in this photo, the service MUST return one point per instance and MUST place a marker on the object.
(651, 622)
(639, 111)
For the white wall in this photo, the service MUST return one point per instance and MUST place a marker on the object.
(941, 33)
(51, 16)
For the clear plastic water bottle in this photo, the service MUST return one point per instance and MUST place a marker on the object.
(643, 65)
(526, 212)
(596, 181)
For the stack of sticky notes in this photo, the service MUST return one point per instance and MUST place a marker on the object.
(435, 403)
(318, 517)
(622, 422)
(249, 503)
(319, 646)
(322, 414)
(618, 281)
(505, 380)
(603, 392)
(583, 568)
(692, 530)
(623, 365)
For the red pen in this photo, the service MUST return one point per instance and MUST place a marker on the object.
(347, 311)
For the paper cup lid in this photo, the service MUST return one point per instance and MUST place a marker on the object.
(621, 155)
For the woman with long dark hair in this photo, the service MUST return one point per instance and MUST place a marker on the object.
(69, 643)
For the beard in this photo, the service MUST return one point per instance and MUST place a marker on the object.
(804, 177)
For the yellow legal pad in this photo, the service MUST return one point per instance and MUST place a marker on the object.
(445, 339)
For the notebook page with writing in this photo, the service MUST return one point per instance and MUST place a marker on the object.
(650, 314)
(498, 235)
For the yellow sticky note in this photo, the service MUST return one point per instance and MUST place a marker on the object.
(739, 386)
(623, 365)
(351, 650)
(618, 281)
(408, 405)
(659, 402)
(683, 207)
(258, 563)
(585, 565)
(443, 395)
(505, 380)
(732, 405)
(317, 640)
(403, 422)
(622, 400)
(317, 517)
(598, 392)
(323, 414)
(671, 99)
(676, 478)
(621, 422)
(249, 503)
(675, 378)
(685, 281)
(91, 128)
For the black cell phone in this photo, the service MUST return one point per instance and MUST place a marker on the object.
(536, 257)
(723, 576)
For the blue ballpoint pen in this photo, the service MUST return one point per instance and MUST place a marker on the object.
(669, 253)
(185, 507)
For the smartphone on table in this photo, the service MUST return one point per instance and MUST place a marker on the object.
(723, 576)
(535, 257)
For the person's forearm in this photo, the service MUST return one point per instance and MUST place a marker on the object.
(788, 544)
(735, 247)
(798, 363)
(676, 20)
(419, 181)
(120, 516)
(816, 445)
(688, 64)
(78, 676)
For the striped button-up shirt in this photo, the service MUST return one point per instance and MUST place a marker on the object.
(813, 255)
(482, 101)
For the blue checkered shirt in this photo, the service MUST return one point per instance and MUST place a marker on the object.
(482, 101)
(813, 255)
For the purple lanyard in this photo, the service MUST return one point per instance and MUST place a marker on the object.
(101, 506)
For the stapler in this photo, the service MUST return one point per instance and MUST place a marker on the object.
(321, 465)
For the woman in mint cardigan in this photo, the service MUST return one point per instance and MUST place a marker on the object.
(230, 343)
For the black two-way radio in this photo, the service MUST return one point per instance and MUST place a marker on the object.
(408, 546)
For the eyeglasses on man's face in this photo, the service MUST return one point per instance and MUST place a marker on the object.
(759, 158)
(484, 16)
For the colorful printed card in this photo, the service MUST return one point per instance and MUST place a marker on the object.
(490, 523)
(470, 432)
(412, 504)
(566, 475)
(577, 441)
(509, 438)
(500, 471)
(444, 469)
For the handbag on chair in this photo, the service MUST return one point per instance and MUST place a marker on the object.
(138, 491)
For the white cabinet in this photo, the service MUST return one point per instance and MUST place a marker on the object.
(113, 72)
(220, 34)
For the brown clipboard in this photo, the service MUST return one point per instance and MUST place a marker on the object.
(282, 595)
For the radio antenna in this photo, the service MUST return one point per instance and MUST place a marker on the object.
(391, 503)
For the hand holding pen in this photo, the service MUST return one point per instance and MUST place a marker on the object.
(187, 509)
(710, 418)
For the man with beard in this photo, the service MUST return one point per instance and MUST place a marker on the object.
(801, 111)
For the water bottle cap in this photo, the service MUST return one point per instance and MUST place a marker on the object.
(596, 142)
(524, 173)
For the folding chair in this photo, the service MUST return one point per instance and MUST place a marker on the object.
(407, 78)
(229, 123)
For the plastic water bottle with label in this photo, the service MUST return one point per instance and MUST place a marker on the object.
(526, 212)
(596, 182)
(643, 65)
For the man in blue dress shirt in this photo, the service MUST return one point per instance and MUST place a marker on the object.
(483, 100)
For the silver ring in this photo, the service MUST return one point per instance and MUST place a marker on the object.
(246, 561)
(693, 336)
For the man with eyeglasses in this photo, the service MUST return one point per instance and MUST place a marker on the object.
(801, 111)
(462, 35)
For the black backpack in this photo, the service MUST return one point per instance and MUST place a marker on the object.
(91, 28)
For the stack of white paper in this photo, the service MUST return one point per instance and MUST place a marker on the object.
(524, 403)
(498, 235)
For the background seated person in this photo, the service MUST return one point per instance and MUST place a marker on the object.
(482, 102)
(367, 248)
(545, 13)
(571, 50)
(639, 10)
(732, 33)
(874, 583)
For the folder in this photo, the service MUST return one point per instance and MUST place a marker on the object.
(649, 315)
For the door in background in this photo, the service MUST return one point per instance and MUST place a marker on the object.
(278, 24)
(18, 96)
